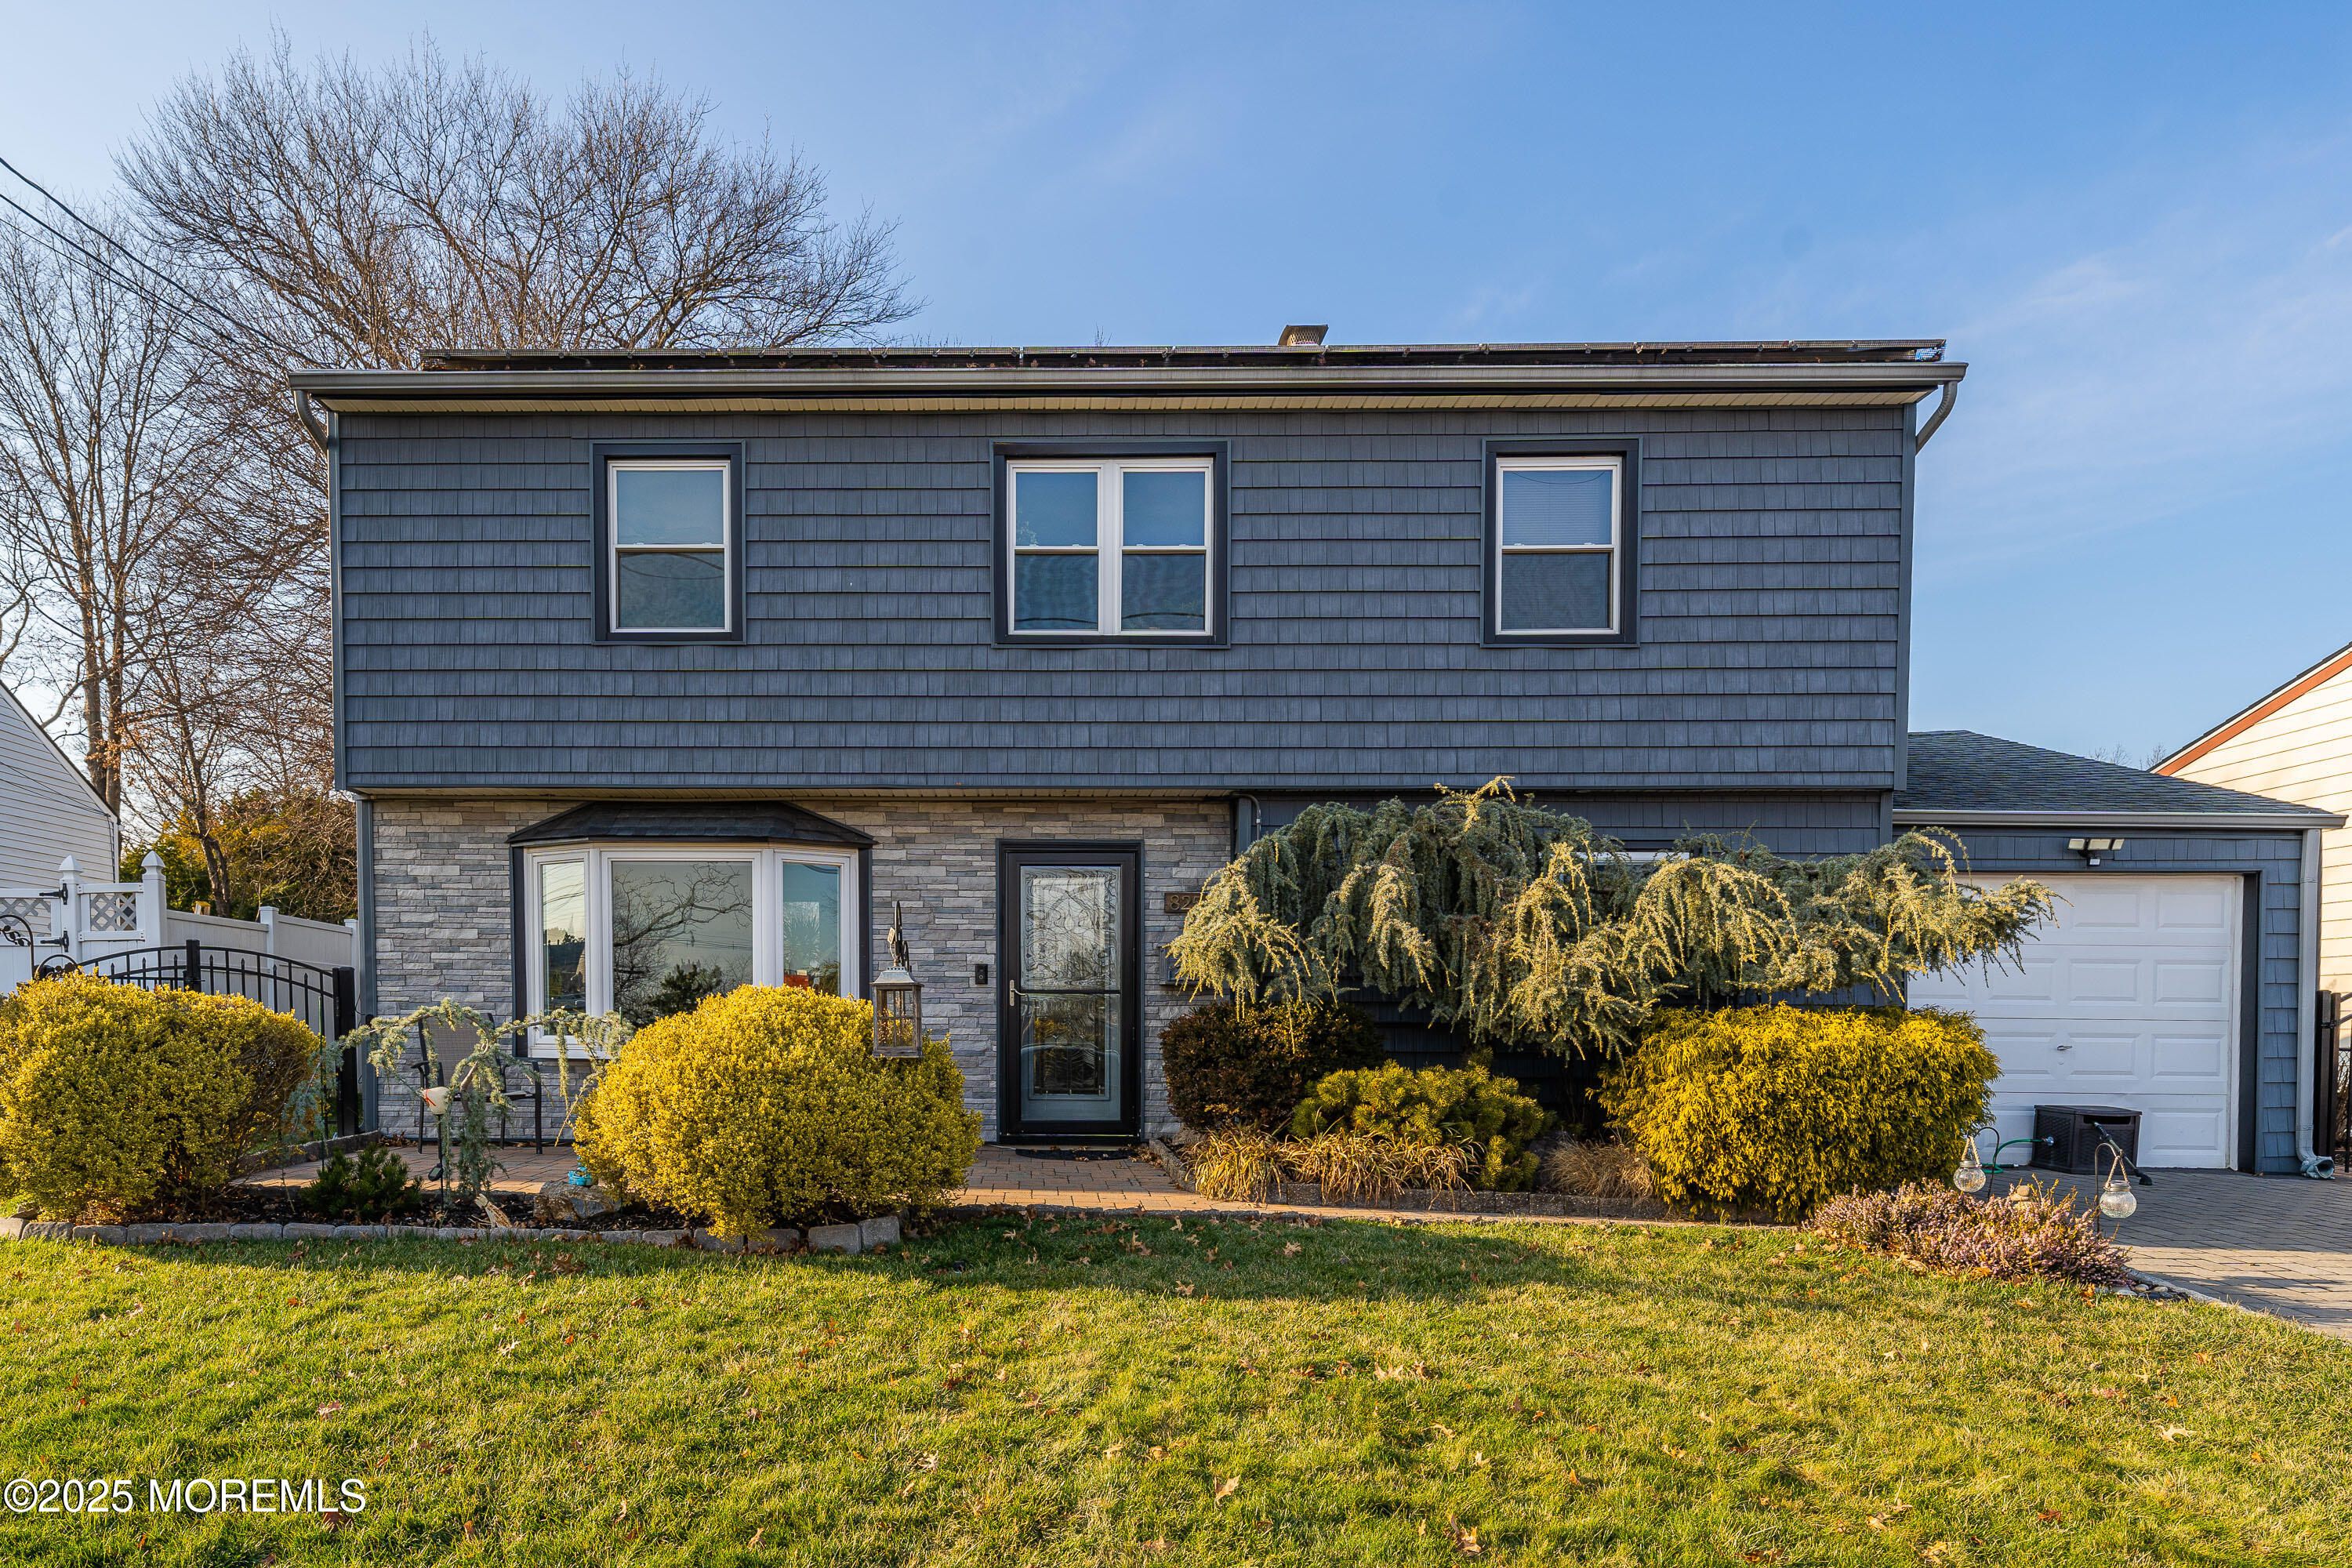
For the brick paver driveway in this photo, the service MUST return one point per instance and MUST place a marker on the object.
(2278, 1244)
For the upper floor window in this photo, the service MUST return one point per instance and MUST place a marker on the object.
(669, 544)
(1558, 567)
(1111, 548)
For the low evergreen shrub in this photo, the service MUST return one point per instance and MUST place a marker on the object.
(372, 1187)
(115, 1099)
(767, 1104)
(1780, 1109)
(1464, 1107)
(1228, 1068)
(2032, 1232)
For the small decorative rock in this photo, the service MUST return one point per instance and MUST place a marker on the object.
(882, 1232)
(105, 1235)
(560, 1202)
(622, 1237)
(48, 1230)
(661, 1238)
(709, 1241)
(256, 1233)
(457, 1233)
(11, 1228)
(835, 1238)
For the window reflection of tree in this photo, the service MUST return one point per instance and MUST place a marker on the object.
(661, 903)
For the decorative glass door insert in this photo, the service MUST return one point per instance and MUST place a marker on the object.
(1069, 1000)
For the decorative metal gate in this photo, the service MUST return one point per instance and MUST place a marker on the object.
(327, 1000)
(2331, 1131)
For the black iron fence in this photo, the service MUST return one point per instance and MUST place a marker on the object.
(327, 1000)
(2331, 1131)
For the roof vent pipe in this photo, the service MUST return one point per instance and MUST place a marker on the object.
(1301, 338)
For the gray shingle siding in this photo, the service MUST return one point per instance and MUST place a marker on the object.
(2275, 860)
(1767, 622)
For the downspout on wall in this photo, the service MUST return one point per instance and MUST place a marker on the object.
(2310, 1162)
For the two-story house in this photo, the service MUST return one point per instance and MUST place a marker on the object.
(662, 672)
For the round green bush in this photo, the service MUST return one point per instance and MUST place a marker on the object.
(118, 1101)
(1780, 1109)
(1230, 1068)
(1465, 1105)
(768, 1104)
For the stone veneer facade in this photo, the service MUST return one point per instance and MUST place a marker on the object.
(443, 904)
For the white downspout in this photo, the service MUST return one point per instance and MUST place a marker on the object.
(2318, 1167)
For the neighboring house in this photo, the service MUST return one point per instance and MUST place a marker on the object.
(2294, 743)
(47, 809)
(662, 671)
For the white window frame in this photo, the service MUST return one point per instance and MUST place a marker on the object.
(728, 551)
(1616, 466)
(767, 860)
(1110, 548)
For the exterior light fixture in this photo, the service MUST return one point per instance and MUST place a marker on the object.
(897, 1000)
(2116, 1200)
(2090, 850)
(1970, 1176)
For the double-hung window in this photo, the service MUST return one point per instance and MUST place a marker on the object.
(1558, 568)
(1111, 548)
(670, 544)
(646, 930)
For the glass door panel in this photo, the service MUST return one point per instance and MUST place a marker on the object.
(1069, 1001)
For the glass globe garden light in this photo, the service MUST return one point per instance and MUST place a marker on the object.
(2116, 1200)
(1970, 1176)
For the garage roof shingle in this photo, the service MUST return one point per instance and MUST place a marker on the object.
(1959, 770)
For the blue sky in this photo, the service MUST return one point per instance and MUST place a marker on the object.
(2134, 223)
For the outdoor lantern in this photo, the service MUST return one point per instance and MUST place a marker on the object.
(1970, 1176)
(2116, 1199)
(897, 1000)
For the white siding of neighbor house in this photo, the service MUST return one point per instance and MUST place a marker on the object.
(46, 812)
(2303, 753)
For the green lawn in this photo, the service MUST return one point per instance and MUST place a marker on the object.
(1127, 1392)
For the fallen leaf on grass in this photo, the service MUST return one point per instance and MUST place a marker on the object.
(2046, 1515)
(757, 1533)
(2173, 1434)
(1226, 1489)
(1465, 1539)
(328, 1409)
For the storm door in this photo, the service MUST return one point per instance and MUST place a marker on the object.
(1069, 947)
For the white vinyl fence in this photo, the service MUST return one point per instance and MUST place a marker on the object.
(87, 921)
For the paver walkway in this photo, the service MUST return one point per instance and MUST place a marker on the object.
(2277, 1244)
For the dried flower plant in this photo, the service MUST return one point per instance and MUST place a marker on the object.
(2032, 1232)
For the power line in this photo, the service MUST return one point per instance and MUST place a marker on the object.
(266, 340)
(179, 313)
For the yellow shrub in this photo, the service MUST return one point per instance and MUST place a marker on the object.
(115, 1097)
(1780, 1109)
(767, 1103)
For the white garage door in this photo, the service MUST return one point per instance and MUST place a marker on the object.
(2129, 998)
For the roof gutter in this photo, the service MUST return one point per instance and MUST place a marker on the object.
(2224, 821)
(1921, 377)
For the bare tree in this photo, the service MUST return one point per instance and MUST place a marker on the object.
(362, 217)
(105, 453)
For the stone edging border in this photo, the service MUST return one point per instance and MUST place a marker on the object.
(865, 1236)
(1551, 1206)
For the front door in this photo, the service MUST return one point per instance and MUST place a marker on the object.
(1069, 947)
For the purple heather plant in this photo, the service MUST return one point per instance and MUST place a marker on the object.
(2032, 1232)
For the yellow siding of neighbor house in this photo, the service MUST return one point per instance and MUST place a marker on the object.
(2303, 753)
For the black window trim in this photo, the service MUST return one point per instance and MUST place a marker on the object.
(1000, 572)
(600, 455)
(1627, 450)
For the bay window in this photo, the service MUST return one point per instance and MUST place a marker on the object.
(646, 929)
